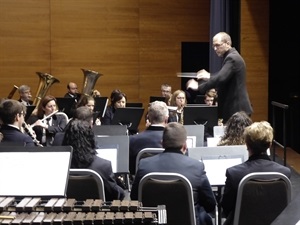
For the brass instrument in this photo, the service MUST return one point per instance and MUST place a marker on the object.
(89, 80)
(13, 91)
(46, 80)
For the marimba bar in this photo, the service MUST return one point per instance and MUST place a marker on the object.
(62, 211)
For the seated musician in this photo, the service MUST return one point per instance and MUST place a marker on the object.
(25, 95)
(117, 100)
(12, 114)
(45, 122)
(80, 136)
(178, 99)
(88, 101)
(173, 159)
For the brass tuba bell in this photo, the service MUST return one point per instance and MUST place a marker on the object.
(46, 81)
(89, 80)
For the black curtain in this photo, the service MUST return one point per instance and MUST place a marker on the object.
(224, 16)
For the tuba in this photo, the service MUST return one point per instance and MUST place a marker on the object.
(89, 80)
(46, 80)
(13, 91)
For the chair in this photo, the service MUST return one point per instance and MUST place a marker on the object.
(171, 189)
(261, 197)
(85, 184)
(63, 114)
(146, 152)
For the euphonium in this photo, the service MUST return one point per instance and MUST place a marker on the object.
(89, 80)
(46, 80)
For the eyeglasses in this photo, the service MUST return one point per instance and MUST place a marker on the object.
(217, 45)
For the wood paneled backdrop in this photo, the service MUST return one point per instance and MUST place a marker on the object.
(135, 44)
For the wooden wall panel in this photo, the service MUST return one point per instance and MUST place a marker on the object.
(135, 44)
(255, 48)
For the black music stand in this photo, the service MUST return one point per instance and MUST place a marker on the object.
(29, 111)
(100, 106)
(201, 114)
(200, 99)
(34, 171)
(66, 105)
(128, 116)
(134, 104)
(157, 98)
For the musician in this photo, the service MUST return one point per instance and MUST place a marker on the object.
(81, 137)
(12, 114)
(178, 99)
(89, 102)
(173, 159)
(45, 122)
(72, 91)
(117, 100)
(25, 95)
(158, 114)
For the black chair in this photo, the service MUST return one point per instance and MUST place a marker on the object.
(171, 189)
(146, 152)
(85, 184)
(261, 198)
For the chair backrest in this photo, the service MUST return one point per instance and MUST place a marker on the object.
(261, 198)
(146, 152)
(64, 115)
(85, 184)
(197, 131)
(171, 189)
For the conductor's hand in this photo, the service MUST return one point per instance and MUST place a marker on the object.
(203, 75)
(192, 84)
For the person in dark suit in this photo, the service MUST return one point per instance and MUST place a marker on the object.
(25, 95)
(81, 137)
(12, 114)
(230, 81)
(46, 129)
(173, 159)
(72, 91)
(151, 137)
(258, 137)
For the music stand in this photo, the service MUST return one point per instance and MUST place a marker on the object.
(157, 98)
(66, 105)
(29, 111)
(34, 172)
(200, 99)
(100, 106)
(201, 114)
(134, 104)
(128, 116)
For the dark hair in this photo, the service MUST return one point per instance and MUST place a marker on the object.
(116, 96)
(79, 134)
(83, 113)
(43, 103)
(84, 100)
(9, 108)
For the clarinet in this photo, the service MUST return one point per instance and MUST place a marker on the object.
(29, 131)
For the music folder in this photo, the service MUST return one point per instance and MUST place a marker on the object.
(129, 116)
(157, 98)
(34, 171)
(100, 106)
(66, 105)
(29, 111)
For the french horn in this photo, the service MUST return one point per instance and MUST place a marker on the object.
(46, 81)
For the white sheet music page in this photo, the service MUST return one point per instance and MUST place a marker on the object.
(34, 173)
(216, 169)
(109, 154)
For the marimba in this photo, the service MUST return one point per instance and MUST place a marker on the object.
(62, 211)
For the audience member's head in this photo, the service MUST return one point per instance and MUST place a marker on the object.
(234, 130)
(258, 137)
(174, 136)
(158, 112)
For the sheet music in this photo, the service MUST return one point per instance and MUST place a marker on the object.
(191, 141)
(109, 154)
(216, 169)
(187, 74)
(34, 173)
